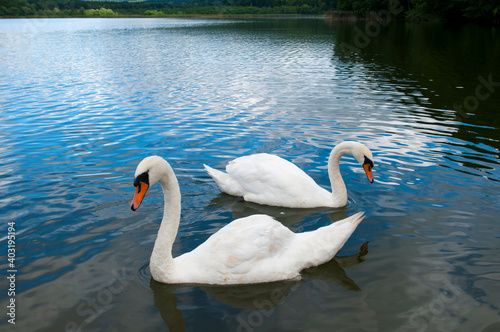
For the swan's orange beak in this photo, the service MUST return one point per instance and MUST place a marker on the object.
(368, 171)
(140, 191)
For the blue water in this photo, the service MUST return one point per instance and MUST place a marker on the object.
(84, 100)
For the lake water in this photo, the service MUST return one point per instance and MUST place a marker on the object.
(84, 100)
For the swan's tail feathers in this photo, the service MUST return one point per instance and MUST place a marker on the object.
(354, 220)
(325, 242)
(225, 182)
(212, 171)
(217, 175)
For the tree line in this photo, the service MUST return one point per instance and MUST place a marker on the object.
(78, 8)
(479, 10)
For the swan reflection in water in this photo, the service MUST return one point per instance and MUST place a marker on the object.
(279, 254)
(253, 296)
(287, 216)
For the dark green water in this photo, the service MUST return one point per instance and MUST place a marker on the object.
(84, 100)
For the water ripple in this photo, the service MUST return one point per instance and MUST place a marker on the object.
(77, 117)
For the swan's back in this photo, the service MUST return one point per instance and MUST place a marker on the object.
(246, 250)
(271, 180)
(259, 249)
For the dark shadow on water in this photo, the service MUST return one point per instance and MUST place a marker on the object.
(454, 69)
(257, 296)
(333, 271)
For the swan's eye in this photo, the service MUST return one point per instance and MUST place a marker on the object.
(368, 162)
(144, 177)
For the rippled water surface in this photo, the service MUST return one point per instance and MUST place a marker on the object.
(84, 100)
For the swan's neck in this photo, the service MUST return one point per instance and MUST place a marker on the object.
(162, 264)
(339, 190)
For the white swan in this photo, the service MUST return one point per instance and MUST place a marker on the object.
(249, 250)
(270, 180)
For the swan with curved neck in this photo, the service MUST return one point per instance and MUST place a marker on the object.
(254, 249)
(270, 180)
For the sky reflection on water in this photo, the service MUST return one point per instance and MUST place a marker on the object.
(85, 100)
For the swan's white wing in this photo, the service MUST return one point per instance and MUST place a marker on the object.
(244, 251)
(259, 249)
(269, 179)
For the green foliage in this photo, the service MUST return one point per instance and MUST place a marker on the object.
(99, 12)
(479, 10)
(51, 8)
(362, 7)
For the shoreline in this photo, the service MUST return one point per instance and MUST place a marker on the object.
(172, 16)
(334, 17)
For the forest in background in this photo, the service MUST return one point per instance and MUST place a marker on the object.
(483, 11)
